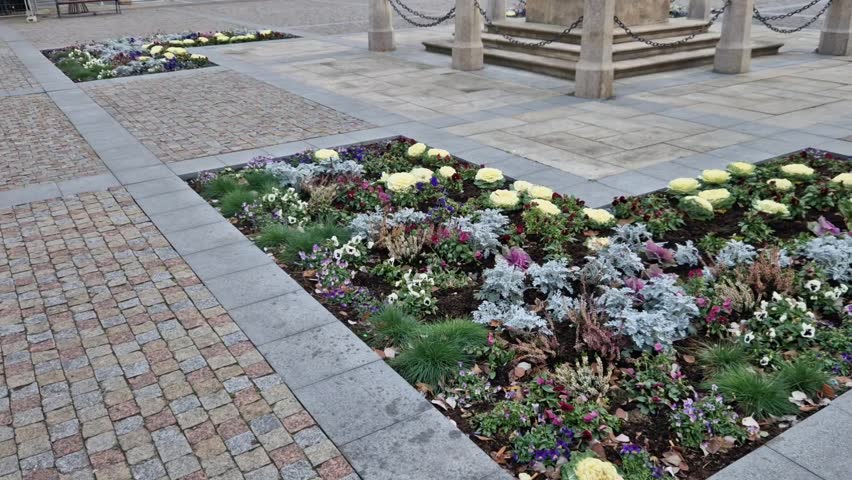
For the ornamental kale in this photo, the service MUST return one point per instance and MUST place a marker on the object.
(833, 254)
(658, 314)
(736, 253)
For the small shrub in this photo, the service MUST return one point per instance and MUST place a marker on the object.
(802, 375)
(393, 326)
(233, 201)
(757, 394)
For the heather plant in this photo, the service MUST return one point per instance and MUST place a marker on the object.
(406, 243)
(697, 421)
(659, 313)
(656, 383)
(591, 332)
(582, 379)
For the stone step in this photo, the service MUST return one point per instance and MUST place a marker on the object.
(620, 51)
(624, 68)
(678, 27)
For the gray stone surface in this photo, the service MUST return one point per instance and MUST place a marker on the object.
(806, 444)
(219, 261)
(186, 218)
(376, 398)
(764, 464)
(425, 447)
(205, 237)
(280, 317)
(182, 198)
(314, 355)
(252, 285)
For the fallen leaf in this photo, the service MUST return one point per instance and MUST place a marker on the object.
(827, 391)
(519, 372)
(599, 450)
(380, 353)
(799, 398)
(712, 446)
(622, 438)
(309, 273)
(672, 458)
(621, 414)
(423, 388)
(441, 403)
(689, 359)
(390, 352)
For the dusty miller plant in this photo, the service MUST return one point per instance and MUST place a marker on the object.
(503, 283)
(735, 253)
(511, 315)
(551, 277)
(485, 232)
(623, 259)
(634, 235)
(687, 254)
(833, 254)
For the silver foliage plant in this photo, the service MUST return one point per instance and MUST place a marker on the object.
(833, 254)
(503, 283)
(736, 253)
(485, 231)
(510, 315)
(367, 225)
(294, 175)
(687, 254)
(659, 314)
(633, 235)
(551, 277)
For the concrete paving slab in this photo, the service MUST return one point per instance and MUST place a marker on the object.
(249, 286)
(235, 257)
(764, 464)
(205, 237)
(806, 444)
(186, 218)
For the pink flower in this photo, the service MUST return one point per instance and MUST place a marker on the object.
(701, 302)
(658, 347)
(589, 417)
(518, 258)
(464, 237)
(491, 339)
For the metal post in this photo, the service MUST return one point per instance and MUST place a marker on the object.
(468, 53)
(699, 10)
(733, 53)
(380, 34)
(836, 35)
(595, 74)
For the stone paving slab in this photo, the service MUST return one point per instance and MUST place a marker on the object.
(15, 79)
(119, 363)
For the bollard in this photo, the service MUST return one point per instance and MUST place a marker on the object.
(836, 35)
(733, 53)
(380, 34)
(496, 10)
(699, 10)
(595, 74)
(467, 45)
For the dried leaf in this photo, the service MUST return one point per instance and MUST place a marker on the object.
(622, 438)
(441, 403)
(599, 450)
(827, 391)
(390, 352)
(424, 388)
(689, 359)
(519, 372)
(309, 273)
(622, 414)
(712, 446)
(672, 458)
(380, 353)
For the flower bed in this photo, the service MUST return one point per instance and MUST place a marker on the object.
(667, 336)
(139, 56)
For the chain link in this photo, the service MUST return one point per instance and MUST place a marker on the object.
(514, 40)
(398, 6)
(765, 19)
(716, 14)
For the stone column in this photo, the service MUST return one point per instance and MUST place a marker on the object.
(380, 35)
(699, 10)
(496, 10)
(595, 73)
(467, 45)
(733, 53)
(836, 35)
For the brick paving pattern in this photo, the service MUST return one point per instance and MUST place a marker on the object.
(39, 144)
(211, 113)
(13, 74)
(118, 363)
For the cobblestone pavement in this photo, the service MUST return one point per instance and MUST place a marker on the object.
(13, 74)
(118, 363)
(39, 144)
(211, 113)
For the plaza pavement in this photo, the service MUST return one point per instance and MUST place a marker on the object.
(116, 278)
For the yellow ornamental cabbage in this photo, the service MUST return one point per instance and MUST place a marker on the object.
(597, 243)
(780, 184)
(504, 198)
(539, 191)
(599, 216)
(423, 175)
(222, 38)
(156, 49)
(175, 42)
(417, 150)
(683, 185)
(143, 58)
(596, 469)
(715, 177)
(169, 55)
(198, 57)
(146, 46)
(250, 36)
(741, 169)
(188, 42)
(701, 202)
(797, 170)
(844, 179)
(446, 171)
(546, 207)
(489, 175)
(400, 182)
(202, 39)
(437, 152)
(326, 154)
(771, 207)
(265, 33)
(522, 186)
(718, 197)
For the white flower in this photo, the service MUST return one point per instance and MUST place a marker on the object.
(393, 297)
(748, 337)
(335, 241)
(772, 333)
(776, 296)
(734, 329)
(489, 175)
(292, 220)
(446, 171)
(760, 315)
(813, 285)
(808, 330)
(416, 150)
(764, 361)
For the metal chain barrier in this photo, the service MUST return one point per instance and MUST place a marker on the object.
(716, 14)
(514, 40)
(766, 19)
(398, 6)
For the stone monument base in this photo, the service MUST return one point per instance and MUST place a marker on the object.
(631, 12)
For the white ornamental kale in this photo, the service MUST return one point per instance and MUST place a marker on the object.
(736, 253)
(503, 283)
(833, 254)
(551, 277)
(485, 232)
(634, 235)
(687, 254)
(510, 315)
(659, 313)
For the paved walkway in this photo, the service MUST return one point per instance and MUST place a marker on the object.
(212, 362)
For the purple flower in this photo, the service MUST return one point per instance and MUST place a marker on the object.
(634, 283)
(518, 258)
(659, 253)
(823, 227)
(630, 449)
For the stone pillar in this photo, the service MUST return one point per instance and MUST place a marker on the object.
(836, 35)
(380, 35)
(595, 74)
(699, 10)
(467, 44)
(496, 10)
(733, 53)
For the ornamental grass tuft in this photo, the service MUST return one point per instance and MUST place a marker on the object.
(233, 201)
(272, 236)
(757, 394)
(718, 357)
(802, 375)
(393, 326)
(219, 186)
(262, 181)
(438, 350)
(296, 241)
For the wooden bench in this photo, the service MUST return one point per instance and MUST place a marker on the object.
(76, 7)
